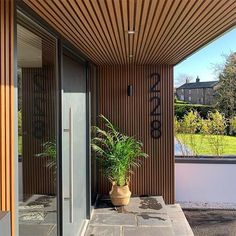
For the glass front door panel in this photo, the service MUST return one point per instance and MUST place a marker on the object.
(74, 146)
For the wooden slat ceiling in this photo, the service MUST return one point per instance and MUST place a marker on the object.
(166, 31)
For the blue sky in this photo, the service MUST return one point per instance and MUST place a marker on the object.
(201, 63)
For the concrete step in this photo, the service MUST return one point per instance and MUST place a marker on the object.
(143, 216)
(179, 222)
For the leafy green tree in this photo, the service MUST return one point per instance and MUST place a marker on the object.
(179, 138)
(216, 129)
(233, 124)
(226, 88)
(188, 125)
(20, 123)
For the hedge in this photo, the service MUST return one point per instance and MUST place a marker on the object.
(180, 102)
(182, 109)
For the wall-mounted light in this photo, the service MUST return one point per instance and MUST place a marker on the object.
(130, 90)
(131, 32)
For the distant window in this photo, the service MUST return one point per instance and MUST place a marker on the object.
(182, 97)
(189, 92)
(202, 100)
(189, 98)
(182, 91)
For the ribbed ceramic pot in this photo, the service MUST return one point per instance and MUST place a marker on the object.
(120, 196)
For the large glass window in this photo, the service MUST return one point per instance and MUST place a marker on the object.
(36, 61)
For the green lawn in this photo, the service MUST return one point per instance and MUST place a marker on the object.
(203, 146)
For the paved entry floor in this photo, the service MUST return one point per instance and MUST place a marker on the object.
(147, 216)
(38, 216)
(212, 222)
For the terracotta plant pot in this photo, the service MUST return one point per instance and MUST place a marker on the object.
(120, 196)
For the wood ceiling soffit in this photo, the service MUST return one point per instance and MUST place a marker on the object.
(164, 32)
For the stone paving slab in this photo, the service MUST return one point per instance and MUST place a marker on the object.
(143, 216)
(38, 216)
(113, 219)
(179, 222)
(174, 208)
(146, 205)
(35, 230)
(137, 205)
(154, 220)
(51, 218)
(148, 231)
(105, 206)
(103, 230)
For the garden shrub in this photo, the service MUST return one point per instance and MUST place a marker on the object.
(216, 128)
(188, 125)
(180, 102)
(183, 109)
(233, 124)
(19, 123)
(212, 131)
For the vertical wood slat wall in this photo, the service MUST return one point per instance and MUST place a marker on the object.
(132, 116)
(38, 127)
(7, 168)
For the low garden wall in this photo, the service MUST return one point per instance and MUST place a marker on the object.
(208, 180)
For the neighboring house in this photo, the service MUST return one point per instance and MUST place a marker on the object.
(197, 92)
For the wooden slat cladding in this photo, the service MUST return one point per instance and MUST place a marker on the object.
(38, 127)
(133, 116)
(7, 184)
(165, 31)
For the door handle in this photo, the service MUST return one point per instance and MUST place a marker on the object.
(71, 173)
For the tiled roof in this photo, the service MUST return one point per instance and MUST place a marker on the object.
(196, 85)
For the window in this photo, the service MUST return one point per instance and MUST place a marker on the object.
(36, 72)
(189, 92)
(189, 98)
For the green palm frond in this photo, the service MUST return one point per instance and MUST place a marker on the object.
(49, 151)
(117, 153)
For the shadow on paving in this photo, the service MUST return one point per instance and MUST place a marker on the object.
(212, 222)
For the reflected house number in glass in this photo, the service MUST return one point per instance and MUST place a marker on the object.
(155, 102)
(38, 105)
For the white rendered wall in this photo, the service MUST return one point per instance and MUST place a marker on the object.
(210, 183)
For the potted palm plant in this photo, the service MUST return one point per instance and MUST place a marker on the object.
(117, 154)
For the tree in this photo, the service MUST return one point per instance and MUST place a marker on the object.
(226, 88)
(182, 79)
(216, 129)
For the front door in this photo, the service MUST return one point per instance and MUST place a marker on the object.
(74, 145)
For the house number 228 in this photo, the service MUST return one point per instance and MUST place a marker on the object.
(155, 104)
